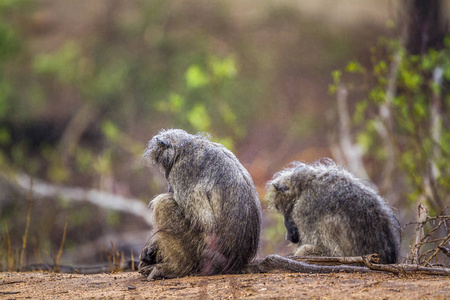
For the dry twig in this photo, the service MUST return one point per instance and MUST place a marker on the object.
(405, 269)
(25, 235)
(438, 244)
(58, 257)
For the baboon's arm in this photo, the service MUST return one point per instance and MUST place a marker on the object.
(199, 211)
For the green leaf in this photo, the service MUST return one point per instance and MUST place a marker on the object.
(336, 74)
(412, 80)
(174, 104)
(198, 117)
(361, 108)
(380, 69)
(228, 115)
(84, 159)
(225, 68)
(332, 89)
(195, 77)
(355, 67)
(377, 95)
(365, 141)
(111, 131)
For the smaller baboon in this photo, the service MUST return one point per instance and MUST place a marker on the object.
(328, 211)
(210, 220)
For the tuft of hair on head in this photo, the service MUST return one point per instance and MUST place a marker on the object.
(203, 135)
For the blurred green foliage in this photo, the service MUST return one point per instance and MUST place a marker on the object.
(419, 112)
(206, 96)
(161, 77)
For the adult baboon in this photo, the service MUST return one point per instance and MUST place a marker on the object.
(209, 221)
(330, 212)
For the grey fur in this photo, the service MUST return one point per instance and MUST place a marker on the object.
(209, 222)
(330, 212)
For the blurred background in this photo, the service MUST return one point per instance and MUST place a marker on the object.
(85, 84)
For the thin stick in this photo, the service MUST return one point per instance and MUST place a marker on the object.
(57, 268)
(132, 259)
(10, 256)
(25, 235)
(405, 269)
(113, 251)
(430, 219)
(122, 260)
(447, 238)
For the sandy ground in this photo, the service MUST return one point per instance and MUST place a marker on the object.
(131, 285)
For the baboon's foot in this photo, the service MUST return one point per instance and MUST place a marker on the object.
(160, 271)
(145, 269)
(306, 249)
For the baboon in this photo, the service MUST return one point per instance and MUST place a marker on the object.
(209, 221)
(328, 211)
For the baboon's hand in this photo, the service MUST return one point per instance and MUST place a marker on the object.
(307, 250)
(148, 256)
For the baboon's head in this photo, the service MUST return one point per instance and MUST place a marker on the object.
(164, 147)
(283, 191)
(278, 191)
(167, 146)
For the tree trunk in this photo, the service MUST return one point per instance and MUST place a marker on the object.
(425, 26)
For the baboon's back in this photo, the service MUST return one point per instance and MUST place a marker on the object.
(230, 192)
(362, 216)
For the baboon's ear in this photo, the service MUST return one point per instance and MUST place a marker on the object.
(163, 143)
(280, 187)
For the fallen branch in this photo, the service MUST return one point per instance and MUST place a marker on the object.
(324, 260)
(275, 262)
(301, 264)
(405, 269)
(42, 189)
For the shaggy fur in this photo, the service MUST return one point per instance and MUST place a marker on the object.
(210, 220)
(330, 212)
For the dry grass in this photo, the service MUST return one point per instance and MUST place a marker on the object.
(57, 261)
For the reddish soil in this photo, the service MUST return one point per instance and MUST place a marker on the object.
(131, 285)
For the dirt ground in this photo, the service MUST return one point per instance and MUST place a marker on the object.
(131, 285)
